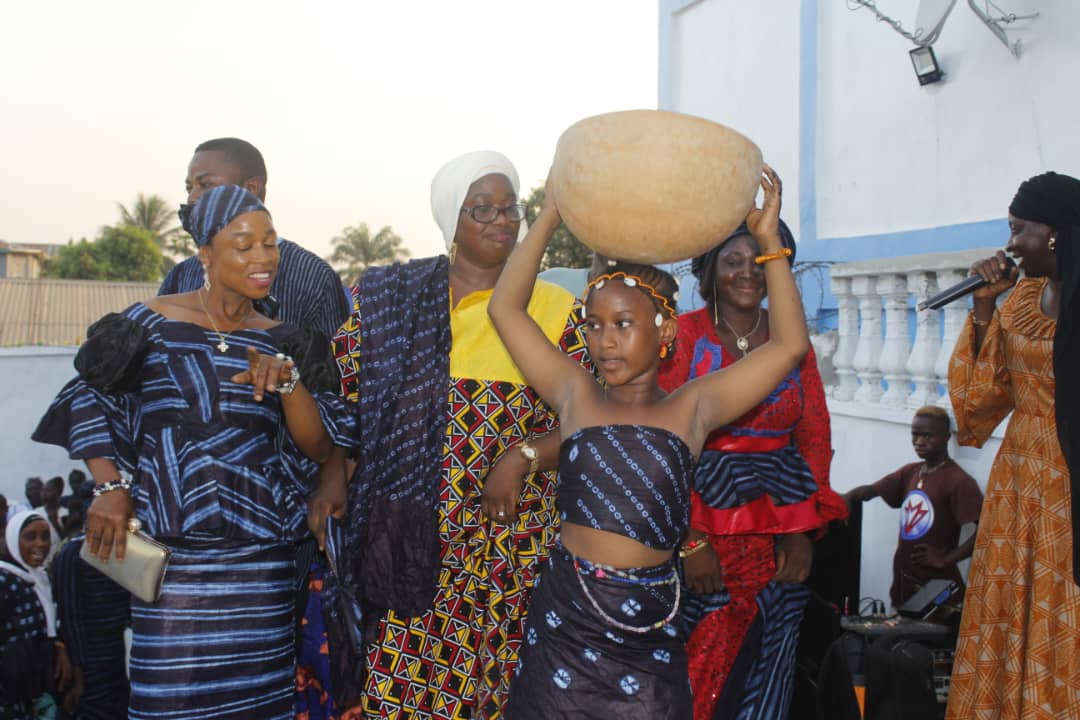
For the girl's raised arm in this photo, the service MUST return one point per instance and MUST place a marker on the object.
(550, 371)
(726, 395)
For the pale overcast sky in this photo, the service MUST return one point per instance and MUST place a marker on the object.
(354, 105)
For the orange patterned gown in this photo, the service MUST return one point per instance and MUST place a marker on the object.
(1018, 654)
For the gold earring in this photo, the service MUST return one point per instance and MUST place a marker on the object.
(453, 251)
(1052, 243)
(663, 351)
(206, 278)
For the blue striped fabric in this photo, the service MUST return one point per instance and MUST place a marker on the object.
(217, 208)
(771, 680)
(207, 458)
(310, 292)
(218, 481)
(728, 480)
(219, 642)
(696, 606)
(93, 612)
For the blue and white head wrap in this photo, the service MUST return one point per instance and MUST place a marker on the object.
(216, 208)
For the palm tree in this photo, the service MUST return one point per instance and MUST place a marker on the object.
(355, 250)
(153, 214)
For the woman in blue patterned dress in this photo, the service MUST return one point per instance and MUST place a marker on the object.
(195, 396)
(601, 641)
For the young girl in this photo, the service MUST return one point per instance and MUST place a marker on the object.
(33, 663)
(600, 642)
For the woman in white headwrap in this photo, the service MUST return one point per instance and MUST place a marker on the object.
(451, 510)
(32, 662)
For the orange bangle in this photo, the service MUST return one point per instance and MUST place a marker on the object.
(781, 253)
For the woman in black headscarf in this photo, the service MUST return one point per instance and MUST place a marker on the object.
(761, 490)
(1019, 643)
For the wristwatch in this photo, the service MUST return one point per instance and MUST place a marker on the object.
(531, 456)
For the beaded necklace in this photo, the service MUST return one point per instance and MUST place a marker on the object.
(603, 571)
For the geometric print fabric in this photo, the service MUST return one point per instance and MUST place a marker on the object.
(1018, 654)
(464, 649)
(456, 659)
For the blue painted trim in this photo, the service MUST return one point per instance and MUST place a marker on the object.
(962, 236)
(668, 9)
(808, 71)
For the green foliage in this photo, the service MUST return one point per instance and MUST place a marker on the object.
(75, 260)
(118, 253)
(564, 250)
(155, 215)
(355, 250)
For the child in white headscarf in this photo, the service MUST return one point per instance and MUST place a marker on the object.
(33, 662)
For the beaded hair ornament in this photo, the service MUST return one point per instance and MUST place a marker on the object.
(630, 281)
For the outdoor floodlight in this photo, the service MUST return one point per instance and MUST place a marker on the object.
(926, 65)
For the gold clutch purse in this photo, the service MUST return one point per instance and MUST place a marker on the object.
(142, 570)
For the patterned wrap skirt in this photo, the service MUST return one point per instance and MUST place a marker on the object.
(219, 642)
(575, 663)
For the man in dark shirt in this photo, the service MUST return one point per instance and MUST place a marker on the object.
(936, 498)
(308, 290)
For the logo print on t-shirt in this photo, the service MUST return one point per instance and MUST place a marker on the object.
(917, 517)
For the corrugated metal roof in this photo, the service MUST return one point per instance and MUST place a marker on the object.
(57, 312)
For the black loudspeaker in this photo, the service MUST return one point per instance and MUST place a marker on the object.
(834, 592)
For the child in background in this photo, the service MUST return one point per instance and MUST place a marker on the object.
(33, 663)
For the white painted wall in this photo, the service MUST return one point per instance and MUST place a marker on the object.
(895, 156)
(737, 63)
(891, 155)
(33, 377)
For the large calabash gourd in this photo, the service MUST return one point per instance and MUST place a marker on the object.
(651, 186)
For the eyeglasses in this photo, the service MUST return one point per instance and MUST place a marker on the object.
(489, 213)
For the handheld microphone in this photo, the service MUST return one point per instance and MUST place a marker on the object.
(961, 289)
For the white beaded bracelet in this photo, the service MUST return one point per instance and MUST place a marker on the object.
(119, 483)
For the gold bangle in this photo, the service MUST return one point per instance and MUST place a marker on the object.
(692, 547)
(781, 253)
(977, 321)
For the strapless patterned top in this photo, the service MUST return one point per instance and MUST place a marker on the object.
(627, 479)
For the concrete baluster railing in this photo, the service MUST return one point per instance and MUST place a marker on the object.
(875, 299)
